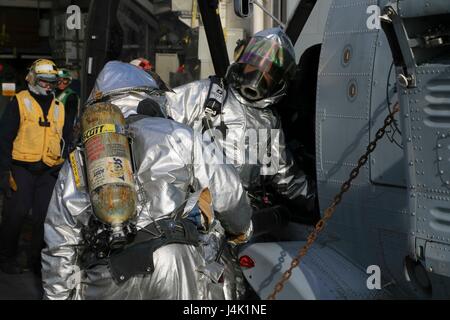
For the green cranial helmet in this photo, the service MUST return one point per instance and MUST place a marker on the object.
(64, 74)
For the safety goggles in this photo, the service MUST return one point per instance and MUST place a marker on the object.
(63, 81)
(47, 84)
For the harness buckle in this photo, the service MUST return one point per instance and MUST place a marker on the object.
(45, 123)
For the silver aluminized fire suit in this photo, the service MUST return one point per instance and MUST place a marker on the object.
(239, 116)
(169, 169)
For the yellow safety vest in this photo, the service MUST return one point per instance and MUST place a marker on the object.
(35, 142)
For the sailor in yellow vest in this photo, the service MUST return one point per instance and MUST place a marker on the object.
(31, 148)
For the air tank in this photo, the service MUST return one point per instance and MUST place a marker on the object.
(109, 171)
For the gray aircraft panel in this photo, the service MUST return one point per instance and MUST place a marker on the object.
(433, 217)
(323, 274)
(334, 134)
(345, 54)
(425, 119)
(421, 8)
(343, 95)
(427, 123)
(345, 17)
(437, 256)
(429, 126)
(357, 103)
(383, 220)
(387, 162)
(373, 222)
(369, 230)
(312, 33)
(376, 206)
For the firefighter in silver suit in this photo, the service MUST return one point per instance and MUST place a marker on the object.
(176, 190)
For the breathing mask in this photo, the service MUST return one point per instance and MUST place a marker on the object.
(264, 66)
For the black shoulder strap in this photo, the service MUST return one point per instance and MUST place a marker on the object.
(216, 96)
(214, 103)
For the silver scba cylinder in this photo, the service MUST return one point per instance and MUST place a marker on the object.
(109, 171)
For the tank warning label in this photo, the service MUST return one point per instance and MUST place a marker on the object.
(104, 128)
(95, 149)
(110, 170)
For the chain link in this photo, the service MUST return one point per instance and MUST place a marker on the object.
(328, 213)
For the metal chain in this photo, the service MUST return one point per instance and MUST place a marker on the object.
(332, 208)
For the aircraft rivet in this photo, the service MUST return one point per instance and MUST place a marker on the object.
(440, 158)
